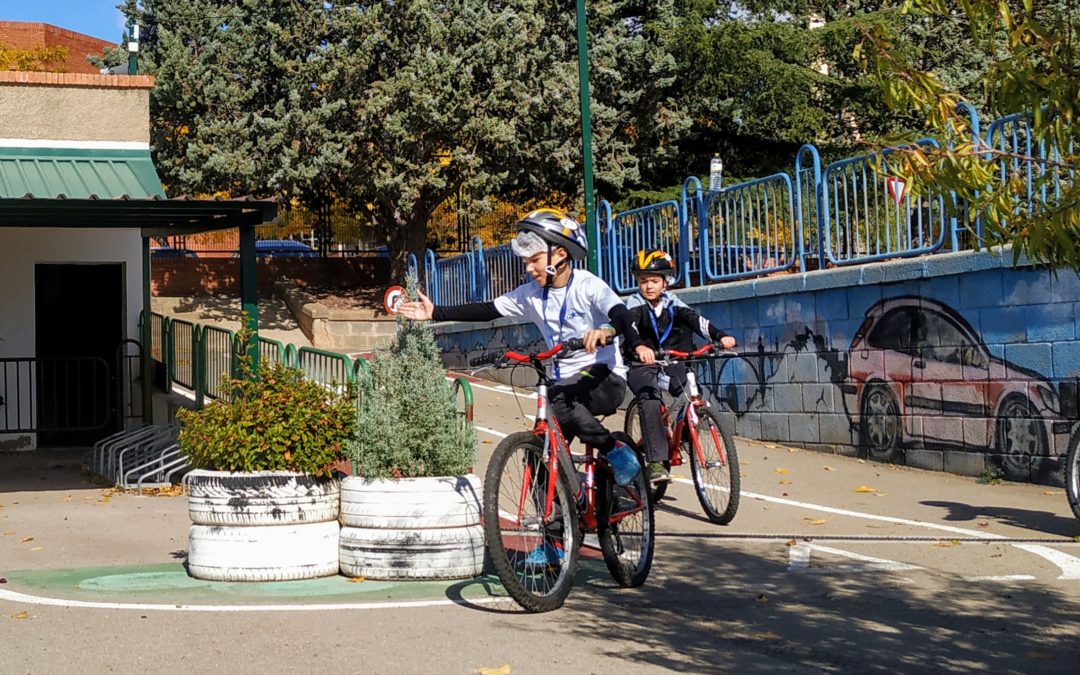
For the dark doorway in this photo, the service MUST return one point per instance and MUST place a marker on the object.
(79, 315)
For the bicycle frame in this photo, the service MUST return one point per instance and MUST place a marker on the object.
(557, 450)
(691, 401)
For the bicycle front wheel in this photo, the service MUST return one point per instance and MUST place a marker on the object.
(533, 544)
(1072, 473)
(633, 428)
(626, 528)
(714, 465)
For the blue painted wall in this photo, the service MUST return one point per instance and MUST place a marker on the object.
(956, 362)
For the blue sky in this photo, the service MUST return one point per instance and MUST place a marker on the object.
(98, 18)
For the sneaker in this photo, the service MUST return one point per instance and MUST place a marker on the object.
(656, 473)
(624, 464)
(545, 554)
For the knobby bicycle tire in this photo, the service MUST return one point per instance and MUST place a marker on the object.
(537, 587)
(720, 462)
(627, 546)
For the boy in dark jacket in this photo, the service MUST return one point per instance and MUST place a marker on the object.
(663, 322)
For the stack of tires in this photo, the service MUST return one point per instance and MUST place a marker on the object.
(411, 528)
(262, 526)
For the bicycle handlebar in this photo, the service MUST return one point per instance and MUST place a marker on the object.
(571, 345)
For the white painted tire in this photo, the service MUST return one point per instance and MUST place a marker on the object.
(261, 498)
(441, 553)
(411, 503)
(264, 553)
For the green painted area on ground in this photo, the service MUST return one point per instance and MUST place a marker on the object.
(170, 583)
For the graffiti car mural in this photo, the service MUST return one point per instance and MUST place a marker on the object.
(919, 375)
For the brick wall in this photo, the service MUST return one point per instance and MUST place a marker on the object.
(199, 276)
(25, 35)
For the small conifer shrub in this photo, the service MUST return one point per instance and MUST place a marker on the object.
(409, 425)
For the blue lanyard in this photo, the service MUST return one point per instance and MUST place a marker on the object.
(656, 328)
(548, 336)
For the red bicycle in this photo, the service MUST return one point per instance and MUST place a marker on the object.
(537, 508)
(696, 431)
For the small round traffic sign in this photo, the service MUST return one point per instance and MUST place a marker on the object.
(394, 296)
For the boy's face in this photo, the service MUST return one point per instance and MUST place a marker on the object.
(536, 264)
(651, 286)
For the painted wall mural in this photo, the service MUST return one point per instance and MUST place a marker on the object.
(964, 371)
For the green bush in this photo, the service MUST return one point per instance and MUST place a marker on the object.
(409, 425)
(277, 421)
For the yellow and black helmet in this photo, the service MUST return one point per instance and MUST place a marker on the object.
(557, 229)
(653, 261)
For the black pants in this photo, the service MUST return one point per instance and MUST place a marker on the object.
(643, 381)
(578, 399)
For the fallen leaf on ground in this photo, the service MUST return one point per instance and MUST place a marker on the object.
(828, 468)
(21, 615)
(37, 548)
(865, 488)
(771, 446)
(26, 539)
(815, 521)
(983, 524)
(67, 498)
(762, 597)
(782, 471)
(790, 542)
(792, 449)
(785, 482)
(947, 543)
(356, 580)
(501, 670)
(1045, 492)
(486, 442)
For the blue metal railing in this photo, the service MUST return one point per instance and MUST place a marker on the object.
(748, 229)
(691, 206)
(655, 226)
(811, 222)
(498, 271)
(865, 222)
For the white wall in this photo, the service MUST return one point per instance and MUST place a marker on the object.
(22, 248)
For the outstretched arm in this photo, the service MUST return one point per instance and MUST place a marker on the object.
(424, 309)
(702, 327)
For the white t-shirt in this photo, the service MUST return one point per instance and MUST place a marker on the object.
(583, 304)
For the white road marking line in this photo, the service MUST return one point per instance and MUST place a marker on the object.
(14, 596)
(490, 431)
(503, 389)
(1003, 578)
(799, 561)
(1069, 565)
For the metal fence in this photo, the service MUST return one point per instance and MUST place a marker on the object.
(748, 229)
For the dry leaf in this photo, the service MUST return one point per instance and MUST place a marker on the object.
(37, 548)
(1045, 492)
(356, 580)
(501, 670)
(26, 539)
(815, 521)
(864, 488)
(486, 442)
(947, 543)
(828, 468)
(21, 615)
(792, 449)
(67, 498)
(771, 446)
(790, 542)
(983, 524)
(781, 471)
(785, 482)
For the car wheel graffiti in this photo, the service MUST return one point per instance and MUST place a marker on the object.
(1021, 438)
(879, 431)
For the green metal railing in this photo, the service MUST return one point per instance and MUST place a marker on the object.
(216, 347)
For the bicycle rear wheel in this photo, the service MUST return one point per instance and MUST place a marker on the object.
(714, 465)
(535, 555)
(626, 529)
(633, 428)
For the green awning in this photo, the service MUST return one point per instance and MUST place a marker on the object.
(78, 173)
